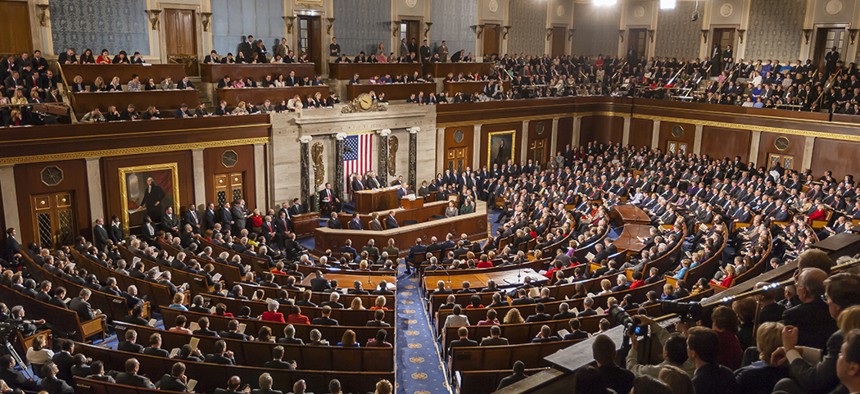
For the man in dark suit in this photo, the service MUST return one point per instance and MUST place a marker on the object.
(391, 221)
(357, 184)
(703, 345)
(811, 317)
(462, 341)
(12, 244)
(519, 373)
(116, 232)
(333, 222)
(222, 355)
(495, 338)
(130, 376)
(170, 222)
(212, 57)
(81, 305)
(64, 360)
(152, 197)
(355, 222)
(51, 383)
(209, 217)
(277, 361)
(130, 344)
(175, 380)
(100, 235)
(247, 47)
(328, 201)
(412, 258)
(14, 378)
(240, 216)
(226, 217)
(154, 348)
(319, 283)
(192, 218)
(325, 319)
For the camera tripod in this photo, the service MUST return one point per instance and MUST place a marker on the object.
(18, 360)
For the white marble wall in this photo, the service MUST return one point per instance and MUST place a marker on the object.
(322, 125)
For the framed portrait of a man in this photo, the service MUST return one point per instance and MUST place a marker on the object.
(147, 191)
(500, 147)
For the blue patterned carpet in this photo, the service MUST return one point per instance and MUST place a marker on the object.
(418, 365)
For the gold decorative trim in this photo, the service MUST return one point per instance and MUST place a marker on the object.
(131, 151)
(123, 188)
(531, 118)
(513, 134)
(750, 127)
(124, 135)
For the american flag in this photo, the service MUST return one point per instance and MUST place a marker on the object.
(357, 155)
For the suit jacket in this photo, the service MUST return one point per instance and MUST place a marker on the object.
(391, 222)
(355, 224)
(83, 309)
(170, 383)
(813, 321)
(490, 341)
(133, 379)
(64, 362)
(56, 386)
(126, 346)
(375, 225)
(100, 236)
(116, 233)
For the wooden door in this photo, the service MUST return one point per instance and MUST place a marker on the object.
(491, 39)
(637, 41)
(54, 217)
(784, 161)
(456, 159)
(180, 32)
(410, 29)
(825, 40)
(559, 40)
(15, 28)
(229, 188)
(310, 39)
(538, 150)
(724, 37)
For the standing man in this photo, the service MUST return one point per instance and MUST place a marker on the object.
(240, 215)
(210, 217)
(192, 219)
(426, 53)
(247, 47)
(116, 233)
(281, 49)
(152, 197)
(327, 199)
(830, 60)
(100, 235)
(443, 51)
(334, 48)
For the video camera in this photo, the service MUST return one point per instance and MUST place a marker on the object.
(689, 311)
(631, 324)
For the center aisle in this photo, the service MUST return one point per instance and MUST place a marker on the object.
(418, 364)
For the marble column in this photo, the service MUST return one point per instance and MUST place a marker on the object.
(260, 176)
(476, 148)
(305, 171)
(697, 139)
(808, 146)
(577, 125)
(524, 143)
(413, 157)
(338, 165)
(553, 142)
(199, 178)
(655, 135)
(10, 198)
(94, 189)
(383, 159)
(625, 136)
(440, 149)
(755, 143)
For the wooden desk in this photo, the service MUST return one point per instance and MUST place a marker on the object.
(258, 95)
(630, 214)
(304, 224)
(165, 100)
(368, 282)
(628, 240)
(470, 87)
(418, 214)
(345, 71)
(213, 73)
(367, 201)
(89, 72)
(393, 91)
(412, 204)
(441, 70)
(474, 225)
(479, 280)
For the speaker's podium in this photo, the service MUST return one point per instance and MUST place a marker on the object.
(374, 200)
(408, 203)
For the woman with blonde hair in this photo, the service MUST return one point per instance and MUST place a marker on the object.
(379, 303)
(761, 376)
(241, 109)
(605, 286)
(513, 317)
(676, 379)
(18, 97)
(356, 305)
(849, 319)
(383, 387)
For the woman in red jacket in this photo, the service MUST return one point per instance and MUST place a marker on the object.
(272, 313)
(296, 316)
(819, 214)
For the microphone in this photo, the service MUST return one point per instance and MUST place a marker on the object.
(447, 273)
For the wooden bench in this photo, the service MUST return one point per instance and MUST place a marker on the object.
(258, 96)
(213, 73)
(167, 101)
(393, 91)
(158, 294)
(258, 265)
(332, 334)
(63, 319)
(521, 333)
(92, 386)
(253, 353)
(89, 72)
(212, 376)
(346, 317)
(318, 297)
(477, 358)
(229, 273)
(345, 71)
(470, 87)
(197, 283)
(483, 382)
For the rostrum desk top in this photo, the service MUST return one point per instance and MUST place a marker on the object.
(373, 200)
(478, 279)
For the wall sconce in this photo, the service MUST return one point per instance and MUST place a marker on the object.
(741, 35)
(427, 29)
(570, 34)
(153, 17)
(807, 33)
(651, 34)
(505, 32)
(290, 21)
(395, 27)
(44, 17)
(205, 19)
(330, 25)
(621, 34)
(705, 35)
(548, 34)
(852, 35)
(479, 29)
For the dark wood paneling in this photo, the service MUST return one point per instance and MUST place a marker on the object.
(111, 182)
(565, 134)
(719, 142)
(213, 73)
(641, 132)
(469, 87)
(766, 146)
(545, 134)
(393, 91)
(468, 143)
(257, 96)
(601, 128)
(89, 72)
(441, 70)
(487, 129)
(15, 27)
(689, 135)
(345, 71)
(28, 183)
(166, 101)
(837, 156)
(245, 166)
